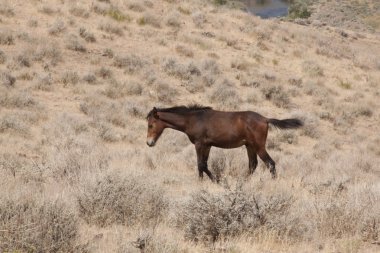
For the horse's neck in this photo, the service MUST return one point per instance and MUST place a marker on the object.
(173, 120)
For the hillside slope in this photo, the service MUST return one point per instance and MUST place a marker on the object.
(78, 78)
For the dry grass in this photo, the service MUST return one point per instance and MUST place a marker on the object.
(77, 80)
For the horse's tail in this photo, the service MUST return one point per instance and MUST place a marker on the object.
(286, 123)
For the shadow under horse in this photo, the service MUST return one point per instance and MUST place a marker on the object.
(206, 128)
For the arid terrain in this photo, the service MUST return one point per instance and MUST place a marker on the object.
(77, 79)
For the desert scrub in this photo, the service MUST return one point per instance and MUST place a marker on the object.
(104, 73)
(57, 27)
(111, 28)
(70, 77)
(185, 72)
(312, 68)
(50, 52)
(299, 9)
(44, 82)
(86, 35)
(126, 200)
(117, 14)
(78, 11)
(199, 19)
(37, 226)
(6, 38)
(209, 217)
(184, 51)
(3, 57)
(6, 79)
(14, 123)
(149, 19)
(19, 99)
(131, 63)
(225, 95)
(165, 93)
(89, 78)
(136, 6)
(174, 19)
(73, 43)
(276, 94)
(118, 90)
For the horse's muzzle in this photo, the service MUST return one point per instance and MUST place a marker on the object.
(150, 143)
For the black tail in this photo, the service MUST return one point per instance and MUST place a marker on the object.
(286, 123)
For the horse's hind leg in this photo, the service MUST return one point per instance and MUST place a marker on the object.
(252, 157)
(202, 157)
(268, 161)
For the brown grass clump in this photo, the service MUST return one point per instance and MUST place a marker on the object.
(312, 68)
(73, 43)
(185, 72)
(118, 90)
(129, 200)
(184, 51)
(174, 19)
(38, 226)
(79, 12)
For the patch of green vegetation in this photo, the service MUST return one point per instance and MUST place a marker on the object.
(299, 9)
(117, 15)
(345, 85)
(220, 2)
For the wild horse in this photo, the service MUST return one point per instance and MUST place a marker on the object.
(206, 127)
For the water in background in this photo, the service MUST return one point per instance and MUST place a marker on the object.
(267, 8)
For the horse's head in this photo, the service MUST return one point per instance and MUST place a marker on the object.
(155, 127)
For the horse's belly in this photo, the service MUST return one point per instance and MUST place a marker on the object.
(229, 144)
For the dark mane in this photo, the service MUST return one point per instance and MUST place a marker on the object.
(181, 109)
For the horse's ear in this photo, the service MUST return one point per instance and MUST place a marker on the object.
(155, 115)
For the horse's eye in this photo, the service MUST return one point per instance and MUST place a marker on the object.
(150, 126)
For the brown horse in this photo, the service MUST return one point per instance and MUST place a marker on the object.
(206, 127)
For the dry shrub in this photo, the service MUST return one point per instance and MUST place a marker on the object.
(174, 19)
(6, 38)
(104, 73)
(44, 82)
(149, 19)
(86, 35)
(6, 10)
(209, 217)
(49, 10)
(126, 200)
(7, 79)
(136, 6)
(131, 63)
(118, 90)
(73, 43)
(111, 28)
(78, 11)
(57, 28)
(312, 68)
(3, 57)
(211, 66)
(241, 64)
(30, 225)
(89, 78)
(276, 94)
(185, 72)
(117, 14)
(70, 77)
(51, 52)
(165, 93)
(199, 19)
(15, 123)
(225, 95)
(184, 51)
(19, 99)
(23, 59)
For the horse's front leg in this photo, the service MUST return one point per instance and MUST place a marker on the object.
(203, 152)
